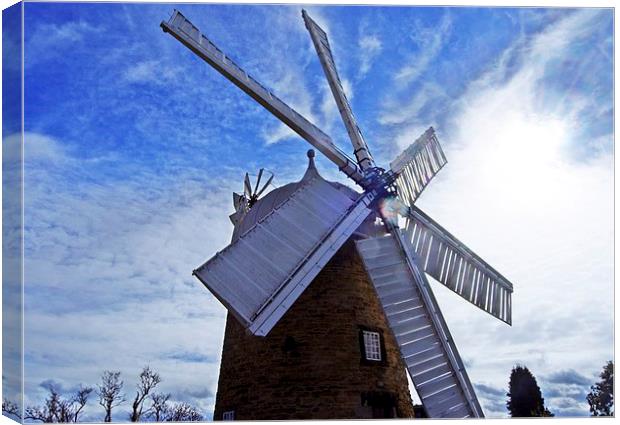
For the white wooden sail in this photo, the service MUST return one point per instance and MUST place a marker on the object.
(259, 276)
(321, 44)
(190, 36)
(416, 166)
(425, 344)
(450, 262)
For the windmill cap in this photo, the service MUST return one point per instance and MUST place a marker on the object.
(276, 197)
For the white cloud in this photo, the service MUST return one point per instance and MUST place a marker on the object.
(49, 40)
(283, 65)
(292, 90)
(108, 280)
(38, 147)
(329, 109)
(150, 71)
(287, 74)
(512, 193)
(70, 32)
(508, 192)
(407, 136)
(370, 47)
(430, 40)
(348, 88)
(395, 112)
(279, 133)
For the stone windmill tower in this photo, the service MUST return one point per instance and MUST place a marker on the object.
(329, 306)
(313, 363)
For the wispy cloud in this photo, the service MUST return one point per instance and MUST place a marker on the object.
(569, 377)
(150, 71)
(282, 68)
(70, 32)
(521, 197)
(290, 86)
(134, 283)
(190, 357)
(490, 390)
(46, 41)
(493, 399)
(429, 94)
(429, 41)
(311, 98)
(369, 47)
(129, 180)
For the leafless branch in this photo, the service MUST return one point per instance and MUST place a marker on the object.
(159, 406)
(148, 381)
(58, 410)
(182, 412)
(109, 391)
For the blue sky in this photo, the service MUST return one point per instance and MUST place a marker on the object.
(133, 147)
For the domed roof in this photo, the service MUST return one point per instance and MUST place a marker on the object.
(276, 197)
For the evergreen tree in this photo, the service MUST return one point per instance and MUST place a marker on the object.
(601, 396)
(524, 398)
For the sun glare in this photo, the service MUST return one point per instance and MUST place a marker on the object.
(524, 154)
(531, 141)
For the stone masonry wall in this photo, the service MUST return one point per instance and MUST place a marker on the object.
(310, 365)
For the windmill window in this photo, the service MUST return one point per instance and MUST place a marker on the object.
(228, 416)
(372, 345)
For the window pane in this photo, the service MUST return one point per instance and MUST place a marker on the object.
(372, 345)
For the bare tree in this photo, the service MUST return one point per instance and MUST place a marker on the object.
(182, 412)
(109, 392)
(163, 411)
(79, 400)
(49, 412)
(68, 409)
(10, 408)
(159, 406)
(57, 409)
(148, 381)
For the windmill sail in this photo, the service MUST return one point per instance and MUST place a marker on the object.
(424, 340)
(321, 44)
(450, 262)
(184, 31)
(260, 275)
(417, 165)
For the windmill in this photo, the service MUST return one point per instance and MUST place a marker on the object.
(282, 244)
(243, 203)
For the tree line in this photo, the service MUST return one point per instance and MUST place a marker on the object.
(147, 405)
(525, 398)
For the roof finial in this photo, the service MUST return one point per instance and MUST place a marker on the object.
(311, 171)
(310, 154)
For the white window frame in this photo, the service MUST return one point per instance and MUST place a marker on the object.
(228, 415)
(372, 345)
